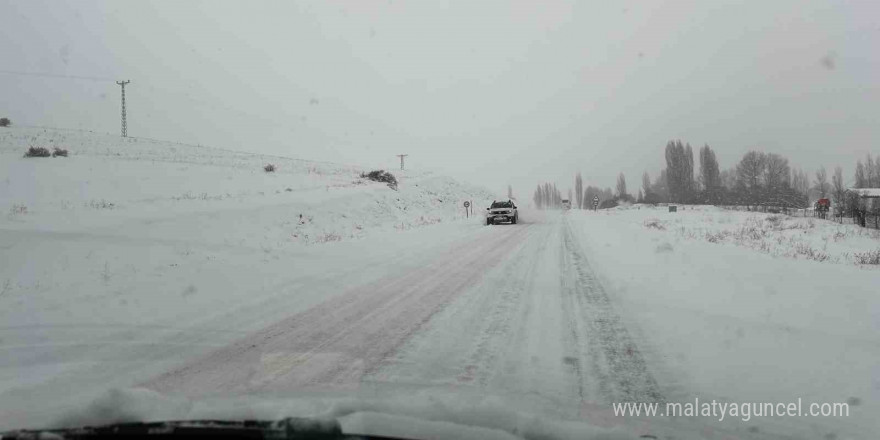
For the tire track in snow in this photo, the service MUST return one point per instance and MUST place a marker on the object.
(497, 335)
(342, 339)
(600, 344)
(503, 338)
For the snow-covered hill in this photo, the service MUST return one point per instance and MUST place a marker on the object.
(133, 244)
(130, 183)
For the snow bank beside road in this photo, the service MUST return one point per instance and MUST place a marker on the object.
(740, 324)
(131, 255)
(775, 234)
(134, 183)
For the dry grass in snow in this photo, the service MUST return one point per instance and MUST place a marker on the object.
(775, 234)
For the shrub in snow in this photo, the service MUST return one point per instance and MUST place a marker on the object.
(750, 232)
(100, 204)
(653, 223)
(716, 237)
(37, 152)
(5, 122)
(774, 220)
(811, 254)
(381, 176)
(870, 257)
(18, 210)
(328, 237)
(664, 247)
(608, 203)
(59, 152)
(269, 168)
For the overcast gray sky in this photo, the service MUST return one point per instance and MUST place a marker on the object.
(493, 92)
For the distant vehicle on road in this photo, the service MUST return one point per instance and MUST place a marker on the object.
(566, 204)
(501, 212)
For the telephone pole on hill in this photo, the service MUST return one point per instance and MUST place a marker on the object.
(401, 156)
(124, 124)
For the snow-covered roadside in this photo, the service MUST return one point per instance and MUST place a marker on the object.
(131, 255)
(775, 234)
(104, 312)
(733, 323)
(126, 184)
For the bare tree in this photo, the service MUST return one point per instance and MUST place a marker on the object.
(872, 180)
(839, 190)
(860, 178)
(679, 171)
(728, 178)
(688, 183)
(876, 183)
(800, 182)
(621, 186)
(749, 171)
(777, 173)
(710, 175)
(821, 183)
(660, 188)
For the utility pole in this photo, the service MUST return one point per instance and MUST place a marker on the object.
(124, 124)
(401, 156)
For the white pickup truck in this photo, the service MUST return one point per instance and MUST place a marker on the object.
(501, 212)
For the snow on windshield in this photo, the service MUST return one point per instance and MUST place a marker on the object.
(216, 210)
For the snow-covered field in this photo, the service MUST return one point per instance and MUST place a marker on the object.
(775, 234)
(127, 241)
(150, 280)
(109, 182)
(740, 307)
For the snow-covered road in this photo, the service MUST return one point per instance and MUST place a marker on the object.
(340, 340)
(544, 317)
(516, 311)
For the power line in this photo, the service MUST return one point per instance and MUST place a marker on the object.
(55, 75)
(124, 124)
(330, 136)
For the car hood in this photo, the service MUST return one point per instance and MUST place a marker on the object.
(408, 414)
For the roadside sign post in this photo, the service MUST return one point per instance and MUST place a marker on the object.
(467, 205)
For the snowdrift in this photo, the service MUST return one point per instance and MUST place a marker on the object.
(209, 192)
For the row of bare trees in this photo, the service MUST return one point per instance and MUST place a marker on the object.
(867, 174)
(547, 196)
(758, 180)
